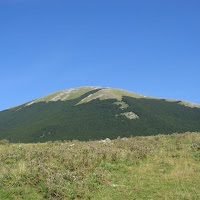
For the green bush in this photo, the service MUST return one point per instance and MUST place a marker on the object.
(4, 142)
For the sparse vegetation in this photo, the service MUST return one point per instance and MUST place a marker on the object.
(153, 167)
(4, 142)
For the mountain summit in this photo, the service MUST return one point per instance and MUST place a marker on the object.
(99, 93)
(94, 112)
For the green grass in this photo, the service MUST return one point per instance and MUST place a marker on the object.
(154, 167)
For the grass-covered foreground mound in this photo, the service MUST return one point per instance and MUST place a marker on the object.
(154, 167)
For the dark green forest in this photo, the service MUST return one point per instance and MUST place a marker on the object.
(64, 120)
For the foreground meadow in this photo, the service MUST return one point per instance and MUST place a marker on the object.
(155, 167)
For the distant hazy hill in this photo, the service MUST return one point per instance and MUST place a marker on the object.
(94, 113)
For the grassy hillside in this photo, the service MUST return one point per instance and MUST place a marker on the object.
(91, 113)
(98, 119)
(154, 167)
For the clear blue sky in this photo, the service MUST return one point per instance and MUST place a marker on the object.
(150, 47)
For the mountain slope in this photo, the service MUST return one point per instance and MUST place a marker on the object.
(94, 113)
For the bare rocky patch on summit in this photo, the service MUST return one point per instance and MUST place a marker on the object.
(101, 94)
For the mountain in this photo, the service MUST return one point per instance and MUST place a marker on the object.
(89, 113)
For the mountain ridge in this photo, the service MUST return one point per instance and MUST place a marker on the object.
(102, 94)
(90, 113)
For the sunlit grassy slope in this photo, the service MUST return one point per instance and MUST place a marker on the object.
(153, 167)
(98, 93)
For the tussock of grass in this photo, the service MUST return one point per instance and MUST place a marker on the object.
(155, 167)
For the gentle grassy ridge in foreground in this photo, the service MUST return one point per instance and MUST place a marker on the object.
(154, 167)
